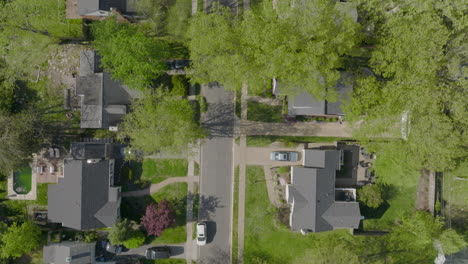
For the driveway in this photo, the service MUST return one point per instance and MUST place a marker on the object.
(177, 251)
(261, 156)
(217, 173)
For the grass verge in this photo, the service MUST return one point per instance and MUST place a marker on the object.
(42, 196)
(157, 170)
(235, 217)
(262, 141)
(264, 113)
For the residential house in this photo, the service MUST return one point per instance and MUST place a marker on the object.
(70, 252)
(317, 205)
(103, 101)
(87, 196)
(100, 9)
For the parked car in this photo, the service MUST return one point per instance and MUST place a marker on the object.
(201, 233)
(113, 249)
(284, 156)
(178, 64)
(162, 252)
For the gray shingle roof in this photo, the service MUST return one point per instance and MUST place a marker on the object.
(75, 252)
(313, 195)
(103, 100)
(85, 198)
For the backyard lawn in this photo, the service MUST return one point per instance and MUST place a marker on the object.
(42, 196)
(134, 208)
(264, 113)
(22, 180)
(263, 141)
(157, 170)
(268, 240)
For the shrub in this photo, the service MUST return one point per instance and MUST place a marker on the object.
(158, 217)
(179, 85)
(203, 104)
(371, 196)
(120, 232)
(136, 240)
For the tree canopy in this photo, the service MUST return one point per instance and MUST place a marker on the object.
(158, 217)
(20, 239)
(300, 45)
(161, 122)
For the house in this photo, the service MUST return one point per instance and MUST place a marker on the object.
(87, 196)
(103, 101)
(100, 9)
(316, 204)
(69, 252)
(305, 104)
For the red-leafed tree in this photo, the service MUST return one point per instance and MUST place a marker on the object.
(158, 217)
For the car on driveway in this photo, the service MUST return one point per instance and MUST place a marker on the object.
(178, 64)
(162, 252)
(284, 156)
(201, 233)
(113, 249)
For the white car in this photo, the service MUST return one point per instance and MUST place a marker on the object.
(201, 234)
(284, 156)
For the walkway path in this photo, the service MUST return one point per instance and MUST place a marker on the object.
(158, 186)
(314, 129)
(190, 245)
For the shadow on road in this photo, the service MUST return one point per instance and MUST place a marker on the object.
(207, 206)
(219, 120)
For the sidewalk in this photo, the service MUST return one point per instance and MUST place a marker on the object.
(158, 186)
(312, 129)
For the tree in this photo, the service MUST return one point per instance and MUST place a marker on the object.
(158, 217)
(127, 53)
(287, 43)
(137, 238)
(371, 195)
(160, 122)
(120, 232)
(20, 239)
(451, 241)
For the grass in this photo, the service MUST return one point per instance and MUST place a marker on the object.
(455, 197)
(22, 180)
(264, 113)
(235, 217)
(400, 180)
(164, 261)
(197, 169)
(42, 197)
(262, 141)
(268, 240)
(157, 170)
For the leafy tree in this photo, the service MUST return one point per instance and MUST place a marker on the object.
(158, 217)
(20, 239)
(120, 232)
(371, 195)
(160, 122)
(130, 55)
(451, 241)
(136, 239)
(288, 43)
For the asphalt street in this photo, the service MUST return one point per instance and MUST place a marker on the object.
(216, 174)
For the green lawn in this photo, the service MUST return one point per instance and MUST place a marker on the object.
(22, 180)
(235, 219)
(455, 195)
(400, 179)
(157, 170)
(42, 197)
(263, 141)
(264, 113)
(197, 169)
(270, 241)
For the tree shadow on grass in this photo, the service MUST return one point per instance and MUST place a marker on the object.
(374, 213)
(130, 176)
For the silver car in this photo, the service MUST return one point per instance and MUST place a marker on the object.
(284, 156)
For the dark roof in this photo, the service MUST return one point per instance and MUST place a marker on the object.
(103, 100)
(305, 104)
(85, 197)
(312, 194)
(90, 6)
(69, 252)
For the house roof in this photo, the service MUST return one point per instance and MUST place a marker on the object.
(305, 104)
(103, 100)
(69, 252)
(85, 197)
(312, 193)
(344, 88)
(86, 7)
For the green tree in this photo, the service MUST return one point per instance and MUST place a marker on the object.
(371, 195)
(287, 43)
(161, 122)
(120, 232)
(130, 55)
(451, 241)
(137, 238)
(20, 239)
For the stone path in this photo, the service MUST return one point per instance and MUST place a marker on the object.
(313, 129)
(158, 186)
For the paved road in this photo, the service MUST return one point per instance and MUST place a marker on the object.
(216, 174)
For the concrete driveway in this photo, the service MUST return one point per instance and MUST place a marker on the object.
(261, 156)
(177, 251)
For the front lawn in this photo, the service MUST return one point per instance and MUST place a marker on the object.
(268, 240)
(263, 141)
(157, 170)
(264, 113)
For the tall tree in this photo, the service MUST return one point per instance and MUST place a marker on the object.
(287, 43)
(20, 239)
(161, 122)
(158, 217)
(120, 232)
(130, 55)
